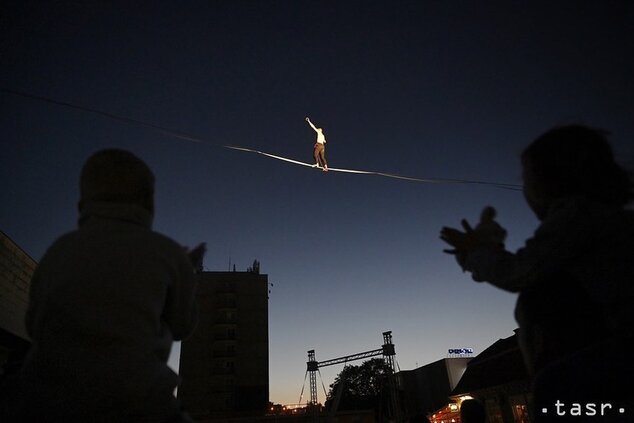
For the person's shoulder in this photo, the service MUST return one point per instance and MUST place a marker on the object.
(60, 247)
(64, 240)
(169, 246)
(164, 240)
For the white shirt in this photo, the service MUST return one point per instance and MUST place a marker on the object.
(321, 139)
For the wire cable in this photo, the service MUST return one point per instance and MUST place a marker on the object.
(192, 138)
(513, 187)
(322, 384)
(301, 395)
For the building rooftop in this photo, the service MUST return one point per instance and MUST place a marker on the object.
(500, 363)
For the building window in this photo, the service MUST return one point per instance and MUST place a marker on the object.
(520, 412)
(226, 287)
(494, 412)
(520, 409)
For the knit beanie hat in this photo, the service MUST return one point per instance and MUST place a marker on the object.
(116, 176)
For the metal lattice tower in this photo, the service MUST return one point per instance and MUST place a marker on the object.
(387, 351)
(313, 367)
(388, 355)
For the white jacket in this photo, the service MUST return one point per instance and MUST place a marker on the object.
(106, 303)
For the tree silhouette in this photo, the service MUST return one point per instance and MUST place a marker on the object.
(362, 388)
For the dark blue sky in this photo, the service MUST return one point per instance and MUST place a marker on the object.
(426, 89)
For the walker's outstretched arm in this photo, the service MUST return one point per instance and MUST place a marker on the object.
(311, 124)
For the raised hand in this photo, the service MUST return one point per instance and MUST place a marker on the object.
(196, 255)
(460, 241)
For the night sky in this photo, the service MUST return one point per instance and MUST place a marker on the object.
(429, 89)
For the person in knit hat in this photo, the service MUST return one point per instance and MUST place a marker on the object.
(106, 302)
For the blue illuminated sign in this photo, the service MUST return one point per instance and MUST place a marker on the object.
(460, 351)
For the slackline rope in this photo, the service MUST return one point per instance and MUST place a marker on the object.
(187, 137)
(387, 175)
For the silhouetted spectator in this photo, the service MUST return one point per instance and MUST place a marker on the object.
(106, 303)
(575, 275)
(472, 411)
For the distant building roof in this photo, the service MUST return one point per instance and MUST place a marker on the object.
(500, 363)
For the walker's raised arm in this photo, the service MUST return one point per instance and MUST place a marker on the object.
(311, 124)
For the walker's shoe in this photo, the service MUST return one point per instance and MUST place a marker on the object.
(325, 168)
(315, 165)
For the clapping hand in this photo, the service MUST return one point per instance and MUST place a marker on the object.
(461, 242)
(196, 255)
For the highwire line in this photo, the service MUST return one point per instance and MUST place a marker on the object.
(187, 137)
